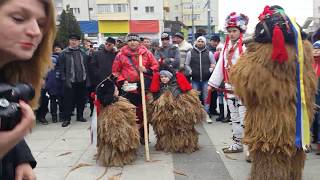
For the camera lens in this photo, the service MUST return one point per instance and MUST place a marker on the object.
(22, 91)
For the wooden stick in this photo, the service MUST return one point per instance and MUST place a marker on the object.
(145, 120)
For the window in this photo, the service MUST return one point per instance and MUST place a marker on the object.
(187, 6)
(90, 9)
(196, 17)
(149, 9)
(177, 18)
(135, 8)
(75, 10)
(104, 8)
(176, 7)
(119, 8)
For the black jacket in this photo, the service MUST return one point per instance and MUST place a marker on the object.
(200, 64)
(18, 155)
(100, 66)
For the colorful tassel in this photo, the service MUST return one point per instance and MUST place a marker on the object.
(155, 83)
(183, 83)
(279, 52)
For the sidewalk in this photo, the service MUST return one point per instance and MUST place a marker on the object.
(66, 153)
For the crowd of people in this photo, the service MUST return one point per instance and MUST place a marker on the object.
(269, 85)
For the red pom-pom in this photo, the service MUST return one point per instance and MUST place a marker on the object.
(279, 51)
(155, 83)
(183, 83)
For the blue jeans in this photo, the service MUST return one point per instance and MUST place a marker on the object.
(202, 87)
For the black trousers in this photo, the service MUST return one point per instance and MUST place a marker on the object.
(43, 105)
(75, 96)
(213, 103)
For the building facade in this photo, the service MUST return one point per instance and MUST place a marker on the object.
(316, 12)
(117, 18)
(184, 10)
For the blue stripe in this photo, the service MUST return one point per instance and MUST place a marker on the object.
(298, 139)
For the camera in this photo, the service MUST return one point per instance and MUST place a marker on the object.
(10, 111)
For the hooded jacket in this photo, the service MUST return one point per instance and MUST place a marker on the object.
(127, 70)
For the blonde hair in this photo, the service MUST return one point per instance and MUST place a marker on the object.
(34, 70)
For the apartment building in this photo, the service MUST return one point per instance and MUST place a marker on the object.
(182, 10)
(117, 18)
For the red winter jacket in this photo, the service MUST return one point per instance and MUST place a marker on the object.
(123, 69)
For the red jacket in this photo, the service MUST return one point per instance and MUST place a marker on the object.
(123, 69)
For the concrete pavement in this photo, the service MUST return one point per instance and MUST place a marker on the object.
(66, 153)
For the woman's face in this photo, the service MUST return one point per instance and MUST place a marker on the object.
(22, 24)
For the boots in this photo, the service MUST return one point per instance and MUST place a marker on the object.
(80, 117)
(221, 113)
(66, 123)
(54, 118)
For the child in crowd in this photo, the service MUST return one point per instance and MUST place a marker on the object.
(176, 110)
(118, 134)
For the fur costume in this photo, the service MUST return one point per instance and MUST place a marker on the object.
(118, 134)
(268, 90)
(175, 113)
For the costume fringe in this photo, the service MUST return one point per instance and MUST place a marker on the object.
(268, 90)
(174, 119)
(118, 135)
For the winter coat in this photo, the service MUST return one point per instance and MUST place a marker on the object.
(126, 71)
(100, 65)
(65, 66)
(53, 84)
(199, 62)
(18, 155)
(164, 55)
(184, 48)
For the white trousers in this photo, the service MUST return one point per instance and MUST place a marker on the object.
(237, 113)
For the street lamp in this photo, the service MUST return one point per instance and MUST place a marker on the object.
(192, 21)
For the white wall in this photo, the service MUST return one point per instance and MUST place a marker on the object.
(83, 6)
(140, 13)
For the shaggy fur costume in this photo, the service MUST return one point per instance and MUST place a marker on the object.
(174, 119)
(118, 134)
(268, 90)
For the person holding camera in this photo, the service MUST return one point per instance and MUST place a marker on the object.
(28, 28)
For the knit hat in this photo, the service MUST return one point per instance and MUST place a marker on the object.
(316, 45)
(105, 91)
(166, 73)
(111, 40)
(237, 20)
(202, 38)
(179, 35)
(132, 37)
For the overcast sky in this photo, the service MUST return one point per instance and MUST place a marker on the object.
(301, 9)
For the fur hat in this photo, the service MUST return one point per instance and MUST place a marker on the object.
(166, 73)
(237, 20)
(275, 27)
(132, 37)
(105, 91)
